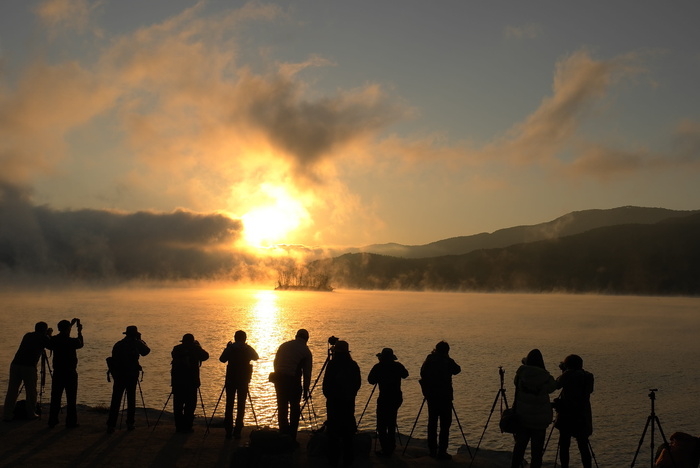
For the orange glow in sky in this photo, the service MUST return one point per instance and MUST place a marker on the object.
(272, 222)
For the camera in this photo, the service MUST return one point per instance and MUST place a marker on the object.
(562, 366)
(333, 340)
(74, 321)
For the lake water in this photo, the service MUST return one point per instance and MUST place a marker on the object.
(631, 344)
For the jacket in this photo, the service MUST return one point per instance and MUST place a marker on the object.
(532, 388)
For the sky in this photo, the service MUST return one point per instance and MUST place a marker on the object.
(323, 123)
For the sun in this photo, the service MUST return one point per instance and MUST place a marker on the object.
(272, 222)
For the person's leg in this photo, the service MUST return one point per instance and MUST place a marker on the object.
(178, 409)
(382, 425)
(564, 444)
(118, 389)
(12, 393)
(282, 406)
(522, 438)
(29, 376)
(58, 384)
(537, 447)
(228, 410)
(131, 402)
(433, 414)
(294, 408)
(190, 405)
(583, 448)
(72, 399)
(445, 423)
(241, 395)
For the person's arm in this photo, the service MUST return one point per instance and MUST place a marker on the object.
(454, 367)
(372, 376)
(307, 366)
(142, 347)
(403, 371)
(253, 354)
(80, 341)
(203, 355)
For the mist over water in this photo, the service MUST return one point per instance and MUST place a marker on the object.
(631, 344)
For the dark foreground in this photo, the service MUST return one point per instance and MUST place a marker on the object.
(32, 443)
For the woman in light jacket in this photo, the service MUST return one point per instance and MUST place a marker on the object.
(533, 384)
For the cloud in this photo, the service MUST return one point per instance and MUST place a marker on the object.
(99, 244)
(67, 14)
(526, 31)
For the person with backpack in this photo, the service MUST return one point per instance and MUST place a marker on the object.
(533, 384)
(124, 367)
(436, 383)
(187, 358)
(239, 371)
(341, 383)
(574, 415)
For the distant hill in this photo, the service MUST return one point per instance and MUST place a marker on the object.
(655, 259)
(573, 223)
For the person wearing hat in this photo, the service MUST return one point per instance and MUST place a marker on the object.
(124, 367)
(387, 374)
(65, 372)
(239, 371)
(436, 383)
(574, 416)
(341, 383)
(292, 362)
(187, 357)
(533, 384)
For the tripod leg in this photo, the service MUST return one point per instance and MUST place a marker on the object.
(252, 408)
(413, 428)
(145, 411)
(546, 444)
(366, 405)
(201, 400)
(161, 412)
(590, 447)
(641, 440)
(493, 408)
(462, 431)
(663, 436)
(215, 408)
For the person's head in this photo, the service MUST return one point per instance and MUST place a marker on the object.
(187, 338)
(64, 326)
(573, 362)
(341, 348)
(387, 354)
(534, 358)
(41, 327)
(442, 348)
(132, 332)
(240, 336)
(302, 334)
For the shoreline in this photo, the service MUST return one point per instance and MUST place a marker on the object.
(33, 443)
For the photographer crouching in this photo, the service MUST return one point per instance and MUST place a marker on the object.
(573, 406)
(65, 372)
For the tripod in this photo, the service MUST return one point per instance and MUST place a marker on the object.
(651, 420)
(45, 364)
(500, 397)
(454, 411)
(250, 399)
(331, 343)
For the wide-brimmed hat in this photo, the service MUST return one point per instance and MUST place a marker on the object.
(387, 354)
(341, 347)
(187, 338)
(131, 330)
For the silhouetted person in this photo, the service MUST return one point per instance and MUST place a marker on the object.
(124, 367)
(23, 370)
(533, 384)
(187, 357)
(239, 371)
(65, 372)
(573, 406)
(341, 382)
(682, 451)
(387, 374)
(292, 362)
(436, 382)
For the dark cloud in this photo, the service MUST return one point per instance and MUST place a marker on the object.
(104, 244)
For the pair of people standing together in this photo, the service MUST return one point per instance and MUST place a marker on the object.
(533, 384)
